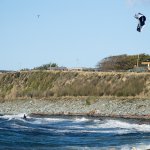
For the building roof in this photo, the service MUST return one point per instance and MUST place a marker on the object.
(147, 61)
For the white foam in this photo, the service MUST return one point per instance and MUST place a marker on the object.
(34, 120)
(9, 117)
(83, 119)
(124, 147)
(46, 120)
(128, 127)
(135, 147)
(81, 148)
(121, 127)
(54, 119)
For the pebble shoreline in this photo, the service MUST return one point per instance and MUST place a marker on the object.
(126, 108)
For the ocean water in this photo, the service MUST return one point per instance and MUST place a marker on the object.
(73, 133)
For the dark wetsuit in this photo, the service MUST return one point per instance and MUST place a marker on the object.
(24, 117)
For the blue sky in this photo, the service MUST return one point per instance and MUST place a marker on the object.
(71, 33)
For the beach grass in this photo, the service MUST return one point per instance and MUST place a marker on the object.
(40, 84)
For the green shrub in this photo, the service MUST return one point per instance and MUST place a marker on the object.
(90, 100)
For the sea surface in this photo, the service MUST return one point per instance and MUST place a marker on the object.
(73, 133)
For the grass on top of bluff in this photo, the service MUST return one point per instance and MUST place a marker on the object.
(45, 84)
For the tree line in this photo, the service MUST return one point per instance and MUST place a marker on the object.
(42, 67)
(122, 62)
(46, 66)
(112, 63)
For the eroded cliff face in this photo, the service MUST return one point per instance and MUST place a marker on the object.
(46, 84)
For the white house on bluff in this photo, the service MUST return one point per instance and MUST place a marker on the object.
(147, 62)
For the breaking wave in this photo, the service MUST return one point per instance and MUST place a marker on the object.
(75, 132)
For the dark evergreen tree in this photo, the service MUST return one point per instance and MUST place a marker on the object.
(46, 66)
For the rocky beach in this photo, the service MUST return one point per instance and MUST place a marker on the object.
(106, 106)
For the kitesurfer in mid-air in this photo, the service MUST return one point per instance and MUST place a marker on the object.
(141, 21)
